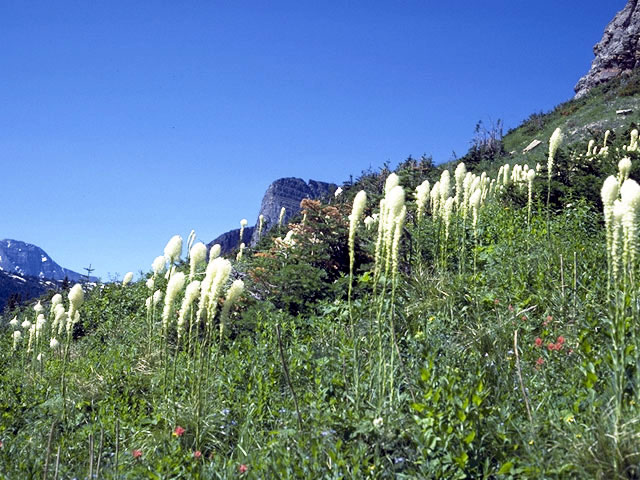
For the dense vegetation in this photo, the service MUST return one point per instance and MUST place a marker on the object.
(486, 331)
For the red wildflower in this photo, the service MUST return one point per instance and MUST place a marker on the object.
(197, 454)
(524, 318)
(551, 346)
(179, 431)
(560, 340)
(538, 342)
(496, 301)
(136, 453)
(242, 468)
(540, 361)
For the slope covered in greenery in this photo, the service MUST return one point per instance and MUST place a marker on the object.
(486, 333)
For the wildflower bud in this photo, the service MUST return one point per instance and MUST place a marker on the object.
(17, 336)
(157, 296)
(422, 194)
(359, 203)
(624, 167)
(173, 249)
(633, 146)
(337, 193)
(55, 300)
(127, 279)
(173, 288)
(281, 218)
(26, 325)
(214, 252)
(243, 224)
(460, 174)
(38, 308)
(368, 221)
(434, 196)
(392, 181)
(54, 344)
(260, 225)
(150, 283)
(197, 257)
(159, 264)
(590, 147)
(445, 186)
(554, 143)
(447, 211)
(14, 322)
(241, 250)
(609, 191)
(190, 296)
(232, 294)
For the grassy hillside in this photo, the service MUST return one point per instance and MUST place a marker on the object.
(489, 331)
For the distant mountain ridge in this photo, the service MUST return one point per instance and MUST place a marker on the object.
(29, 260)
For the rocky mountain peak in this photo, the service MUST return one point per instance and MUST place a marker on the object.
(25, 259)
(618, 53)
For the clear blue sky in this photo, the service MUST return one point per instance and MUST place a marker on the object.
(124, 123)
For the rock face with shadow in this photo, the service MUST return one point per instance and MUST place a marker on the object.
(29, 260)
(284, 192)
(618, 52)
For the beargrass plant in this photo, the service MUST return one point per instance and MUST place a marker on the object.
(446, 398)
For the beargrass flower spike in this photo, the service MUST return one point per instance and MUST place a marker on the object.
(242, 246)
(176, 282)
(215, 252)
(422, 195)
(191, 294)
(630, 197)
(197, 257)
(554, 143)
(359, 204)
(127, 279)
(243, 224)
(235, 290)
(281, 218)
(531, 175)
(17, 336)
(260, 224)
(38, 308)
(460, 175)
(173, 249)
(392, 181)
(159, 264)
(609, 194)
(624, 167)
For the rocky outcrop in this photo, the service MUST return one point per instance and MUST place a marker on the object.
(618, 53)
(230, 240)
(284, 192)
(288, 193)
(30, 260)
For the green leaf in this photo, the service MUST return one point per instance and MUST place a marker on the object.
(506, 468)
(469, 438)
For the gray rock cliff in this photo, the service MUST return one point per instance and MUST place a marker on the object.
(230, 241)
(284, 192)
(618, 53)
(288, 193)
